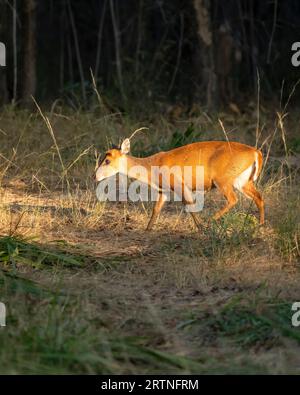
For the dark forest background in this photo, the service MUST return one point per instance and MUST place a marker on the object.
(148, 52)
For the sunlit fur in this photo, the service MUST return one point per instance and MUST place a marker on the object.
(227, 165)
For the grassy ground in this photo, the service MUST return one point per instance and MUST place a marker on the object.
(87, 290)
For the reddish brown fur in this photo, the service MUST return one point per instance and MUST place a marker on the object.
(223, 162)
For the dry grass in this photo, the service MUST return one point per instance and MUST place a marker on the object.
(140, 302)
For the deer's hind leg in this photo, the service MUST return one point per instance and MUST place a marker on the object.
(230, 195)
(251, 192)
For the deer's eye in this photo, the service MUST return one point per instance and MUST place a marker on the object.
(107, 161)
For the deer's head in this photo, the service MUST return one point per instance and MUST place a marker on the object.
(114, 161)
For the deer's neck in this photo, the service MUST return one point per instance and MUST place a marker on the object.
(140, 168)
(145, 162)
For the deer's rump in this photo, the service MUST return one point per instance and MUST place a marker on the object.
(223, 162)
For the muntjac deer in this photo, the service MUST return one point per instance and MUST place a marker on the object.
(226, 166)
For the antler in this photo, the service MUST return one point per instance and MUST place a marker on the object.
(136, 131)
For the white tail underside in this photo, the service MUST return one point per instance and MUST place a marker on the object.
(244, 177)
(256, 167)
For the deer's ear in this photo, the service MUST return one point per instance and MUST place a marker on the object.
(125, 147)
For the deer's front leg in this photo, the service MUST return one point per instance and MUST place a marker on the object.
(156, 210)
(189, 200)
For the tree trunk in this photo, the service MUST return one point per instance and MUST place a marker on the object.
(29, 52)
(206, 51)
